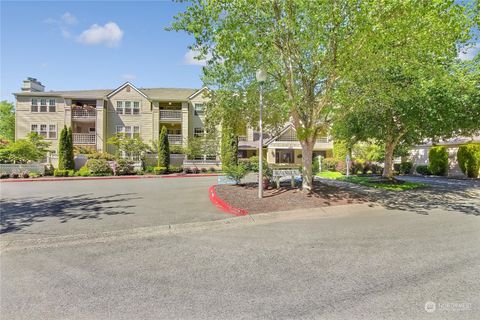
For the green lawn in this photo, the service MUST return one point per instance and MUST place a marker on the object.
(367, 181)
(329, 175)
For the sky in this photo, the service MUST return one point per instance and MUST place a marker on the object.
(70, 45)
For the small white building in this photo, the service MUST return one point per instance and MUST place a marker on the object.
(419, 153)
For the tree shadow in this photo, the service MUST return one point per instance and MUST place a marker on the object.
(17, 214)
(463, 198)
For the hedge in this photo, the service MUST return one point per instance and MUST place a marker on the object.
(438, 160)
(468, 157)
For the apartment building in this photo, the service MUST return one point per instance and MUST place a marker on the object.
(96, 115)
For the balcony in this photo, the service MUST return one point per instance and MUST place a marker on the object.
(81, 113)
(84, 138)
(175, 139)
(170, 115)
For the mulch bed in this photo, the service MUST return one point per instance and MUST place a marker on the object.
(245, 197)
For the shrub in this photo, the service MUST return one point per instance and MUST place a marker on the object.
(175, 169)
(195, 170)
(423, 170)
(212, 169)
(204, 170)
(49, 169)
(99, 167)
(176, 150)
(102, 155)
(4, 175)
(163, 149)
(63, 173)
(236, 173)
(14, 175)
(438, 160)
(329, 164)
(25, 174)
(315, 166)
(83, 172)
(251, 164)
(65, 150)
(406, 167)
(468, 157)
(358, 166)
(124, 168)
(150, 169)
(34, 175)
(341, 166)
(160, 170)
(187, 170)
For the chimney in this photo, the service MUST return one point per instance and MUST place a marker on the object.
(32, 85)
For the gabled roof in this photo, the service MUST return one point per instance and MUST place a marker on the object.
(126, 84)
(156, 94)
(285, 129)
(197, 93)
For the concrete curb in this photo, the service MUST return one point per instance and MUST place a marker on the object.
(224, 206)
(109, 178)
(165, 230)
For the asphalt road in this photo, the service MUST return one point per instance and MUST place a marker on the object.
(45, 209)
(353, 263)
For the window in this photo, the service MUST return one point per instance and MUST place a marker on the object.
(51, 105)
(43, 130)
(125, 107)
(43, 105)
(136, 107)
(129, 131)
(198, 132)
(34, 128)
(136, 132)
(198, 107)
(34, 107)
(128, 107)
(52, 131)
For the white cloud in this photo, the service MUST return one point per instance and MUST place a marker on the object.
(129, 77)
(69, 19)
(469, 52)
(189, 58)
(110, 35)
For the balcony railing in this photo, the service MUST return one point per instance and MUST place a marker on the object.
(83, 114)
(84, 138)
(242, 138)
(175, 139)
(170, 115)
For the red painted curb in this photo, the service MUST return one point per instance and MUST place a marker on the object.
(107, 178)
(222, 205)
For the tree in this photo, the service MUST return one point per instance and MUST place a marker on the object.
(409, 86)
(41, 146)
(132, 148)
(7, 120)
(229, 145)
(65, 150)
(241, 36)
(308, 48)
(163, 149)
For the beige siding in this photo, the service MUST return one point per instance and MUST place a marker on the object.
(25, 118)
(144, 119)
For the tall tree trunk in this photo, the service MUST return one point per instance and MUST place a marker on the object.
(307, 156)
(388, 164)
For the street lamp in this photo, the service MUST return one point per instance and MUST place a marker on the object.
(261, 76)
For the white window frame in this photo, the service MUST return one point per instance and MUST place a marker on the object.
(198, 110)
(130, 132)
(48, 132)
(50, 105)
(43, 105)
(197, 133)
(34, 105)
(134, 107)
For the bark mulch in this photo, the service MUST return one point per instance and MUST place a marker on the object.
(245, 196)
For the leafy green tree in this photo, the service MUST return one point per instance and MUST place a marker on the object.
(229, 145)
(438, 160)
(41, 146)
(7, 120)
(132, 148)
(310, 48)
(163, 149)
